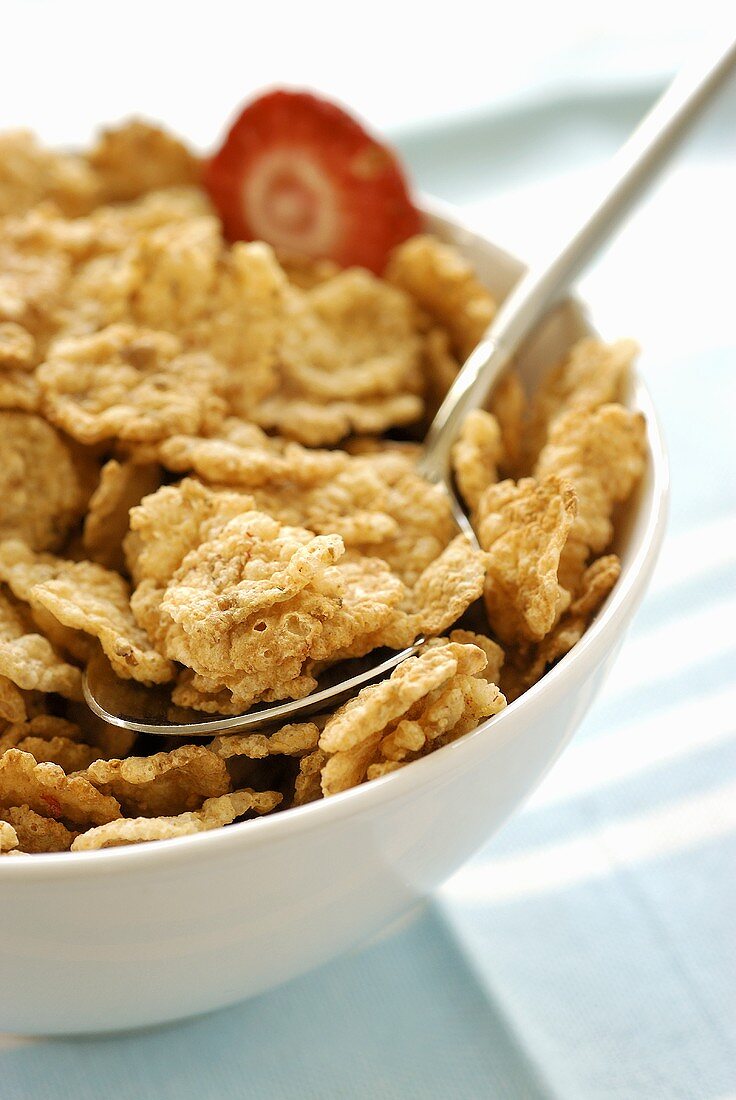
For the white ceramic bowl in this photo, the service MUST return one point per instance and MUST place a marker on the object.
(98, 941)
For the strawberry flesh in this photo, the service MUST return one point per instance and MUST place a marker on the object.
(301, 174)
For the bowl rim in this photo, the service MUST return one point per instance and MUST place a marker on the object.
(364, 798)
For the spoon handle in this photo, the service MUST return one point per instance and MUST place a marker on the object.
(632, 172)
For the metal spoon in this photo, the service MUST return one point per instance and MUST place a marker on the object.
(149, 709)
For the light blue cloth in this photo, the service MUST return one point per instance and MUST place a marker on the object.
(588, 952)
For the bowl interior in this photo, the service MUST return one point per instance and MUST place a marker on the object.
(639, 531)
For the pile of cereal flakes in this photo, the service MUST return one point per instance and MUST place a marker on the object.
(196, 480)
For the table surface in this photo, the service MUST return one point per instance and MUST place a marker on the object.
(588, 951)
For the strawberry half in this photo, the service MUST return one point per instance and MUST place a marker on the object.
(301, 174)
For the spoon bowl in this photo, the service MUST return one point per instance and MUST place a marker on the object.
(148, 708)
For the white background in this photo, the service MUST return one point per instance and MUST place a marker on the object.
(67, 65)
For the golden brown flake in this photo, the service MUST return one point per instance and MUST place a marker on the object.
(212, 697)
(255, 596)
(444, 715)
(350, 338)
(19, 391)
(44, 727)
(376, 706)
(33, 281)
(8, 837)
(36, 833)
(442, 593)
(171, 522)
(46, 790)
(228, 302)
(508, 404)
(382, 445)
(444, 284)
(70, 643)
(529, 666)
(524, 526)
(29, 660)
(598, 580)
(428, 701)
(17, 347)
(215, 813)
(592, 374)
(12, 701)
(166, 783)
(476, 454)
(349, 767)
(306, 272)
(352, 503)
(44, 484)
(86, 597)
(136, 157)
(349, 360)
(602, 453)
(292, 740)
(317, 424)
(383, 767)
(377, 503)
(129, 383)
(30, 174)
(71, 755)
(240, 453)
(122, 486)
(308, 782)
(493, 651)
(96, 601)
